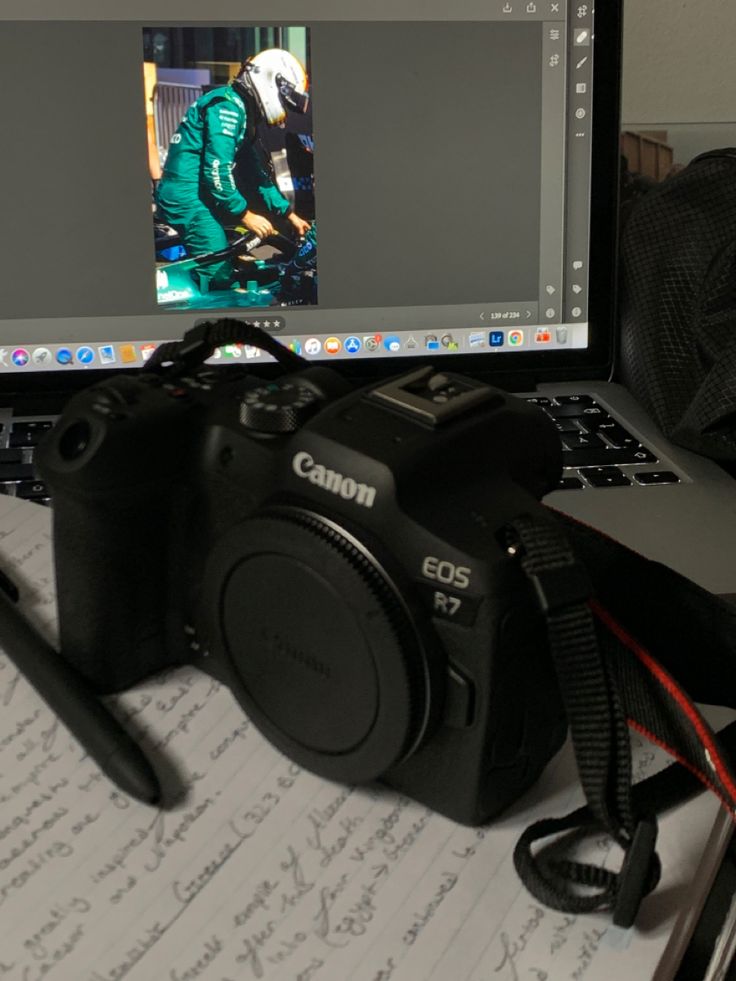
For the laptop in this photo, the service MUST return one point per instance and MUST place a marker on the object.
(458, 170)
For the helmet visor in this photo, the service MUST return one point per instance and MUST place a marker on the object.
(291, 97)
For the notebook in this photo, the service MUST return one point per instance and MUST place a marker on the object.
(458, 171)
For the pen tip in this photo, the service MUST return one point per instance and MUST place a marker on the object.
(133, 774)
(8, 587)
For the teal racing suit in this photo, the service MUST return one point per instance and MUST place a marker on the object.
(197, 193)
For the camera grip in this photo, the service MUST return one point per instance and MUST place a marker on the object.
(115, 464)
(112, 584)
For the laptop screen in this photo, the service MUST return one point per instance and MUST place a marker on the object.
(367, 189)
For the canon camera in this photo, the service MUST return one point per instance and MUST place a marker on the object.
(336, 555)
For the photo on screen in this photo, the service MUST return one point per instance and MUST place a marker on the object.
(230, 151)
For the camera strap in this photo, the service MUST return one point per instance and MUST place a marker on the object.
(200, 342)
(606, 609)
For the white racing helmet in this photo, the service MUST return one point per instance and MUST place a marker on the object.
(278, 82)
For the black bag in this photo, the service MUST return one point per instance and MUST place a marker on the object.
(678, 304)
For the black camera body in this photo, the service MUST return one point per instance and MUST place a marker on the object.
(335, 556)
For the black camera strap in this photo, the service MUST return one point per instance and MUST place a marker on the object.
(200, 342)
(606, 608)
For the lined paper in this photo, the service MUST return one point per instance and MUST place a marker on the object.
(262, 870)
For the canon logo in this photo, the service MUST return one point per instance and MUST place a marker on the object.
(330, 480)
(283, 647)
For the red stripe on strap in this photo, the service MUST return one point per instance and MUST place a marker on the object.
(670, 685)
(683, 761)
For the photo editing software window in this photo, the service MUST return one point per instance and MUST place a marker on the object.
(358, 188)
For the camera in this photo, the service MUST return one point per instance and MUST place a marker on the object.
(334, 554)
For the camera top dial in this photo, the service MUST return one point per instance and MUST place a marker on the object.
(278, 407)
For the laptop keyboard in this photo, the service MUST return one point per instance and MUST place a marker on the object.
(597, 450)
(595, 446)
(18, 441)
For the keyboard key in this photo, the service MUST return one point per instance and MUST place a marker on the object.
(570, 483)
(580, 440)
(567, 426)
(657, 477)
(605, 425)
(575, 400)
(28, 433)
(618, 437)
(640, 454)
(606, 477)
(608, 456)
(595, 423)
(16, 471)
(573, 410)
(31, 489)
(11, 456)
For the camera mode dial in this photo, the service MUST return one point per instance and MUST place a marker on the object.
(280, 407)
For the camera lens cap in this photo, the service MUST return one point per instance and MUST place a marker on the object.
(319, 645)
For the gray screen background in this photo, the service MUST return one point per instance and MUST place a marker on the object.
(427, 150)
